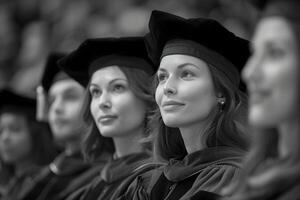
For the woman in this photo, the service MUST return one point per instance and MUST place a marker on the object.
(272, 77)
(25, 144)
(200, 132)
(117, 74)
(60, 101)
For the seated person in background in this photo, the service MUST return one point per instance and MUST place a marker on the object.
(26, 145)
(60, 102)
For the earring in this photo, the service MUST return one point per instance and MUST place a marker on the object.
(221, 103)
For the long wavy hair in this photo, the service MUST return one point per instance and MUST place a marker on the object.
(227, 128)
(140, 84)
(263, 158)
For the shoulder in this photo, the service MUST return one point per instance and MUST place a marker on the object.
(215, 177)
(136, 185)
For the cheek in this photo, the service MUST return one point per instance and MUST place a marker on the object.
(198, 93)
(131, 108)
(23, 143)
(158, 94)
(93, 108)
(73, 108)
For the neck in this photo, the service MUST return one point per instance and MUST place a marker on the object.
(128, 144)
(193, 136)
(288, 138)
(72, 146)
(22, 166)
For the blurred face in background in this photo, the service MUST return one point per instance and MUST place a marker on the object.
(117, 111)
(185, 93)
(66, 99)
(271, 74)
(15, 139)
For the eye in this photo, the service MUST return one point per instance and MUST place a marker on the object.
(118, 88)
(15, 128)
(276, 53)
(95, 92)
(186, 74)
(162, 77)
(71, 96)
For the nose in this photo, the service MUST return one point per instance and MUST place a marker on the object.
(170, 86)
(4, 136)
(252, 70)
(57, 106)
(104, 101)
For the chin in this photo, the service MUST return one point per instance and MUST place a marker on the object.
(64, 135)
(261, 120)
(174, 123)
(109, 133)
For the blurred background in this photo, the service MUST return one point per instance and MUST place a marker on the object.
(29, 29)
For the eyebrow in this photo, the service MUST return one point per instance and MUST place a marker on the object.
(68, 90)
(110, 82)
(180, 66)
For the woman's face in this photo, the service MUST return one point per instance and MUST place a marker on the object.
(66, 99)
(115, 108)
(185, 93)
(271, 74)
(15, 139)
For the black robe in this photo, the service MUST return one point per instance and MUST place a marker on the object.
(112, 180)
(19, 185)
(201, 174)
(63, 176)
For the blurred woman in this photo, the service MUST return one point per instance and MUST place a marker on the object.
(272, 169)
(60, 103)
(200, 133)
(117, 74)
(25, 144)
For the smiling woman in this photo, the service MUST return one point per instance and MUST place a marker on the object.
(272, 75)
(200, 134)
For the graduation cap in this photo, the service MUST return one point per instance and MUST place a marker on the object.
(13, 102)
(285, 8)
(200, 37)
(94, 54)
(52, 72)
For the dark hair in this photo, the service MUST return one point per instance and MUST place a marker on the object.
(140, 84)
(226, 129)
(264, 148)
(43, 147)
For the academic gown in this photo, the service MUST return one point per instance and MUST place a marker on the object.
(201, 174)
(21, 183)
(282, 190)
(62, 177)
(111, 182)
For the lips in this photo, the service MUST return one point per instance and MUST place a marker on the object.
(60, 122)
(106, 118)
(171, 105)
(257, 96)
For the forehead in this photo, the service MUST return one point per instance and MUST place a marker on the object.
(8, 117)
(171, 61)
(107, 74)
(274, 29)
(65, 85)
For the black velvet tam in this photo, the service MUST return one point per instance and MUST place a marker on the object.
(52, 71)
(94, 54)
(13, 102)
(200, 37)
